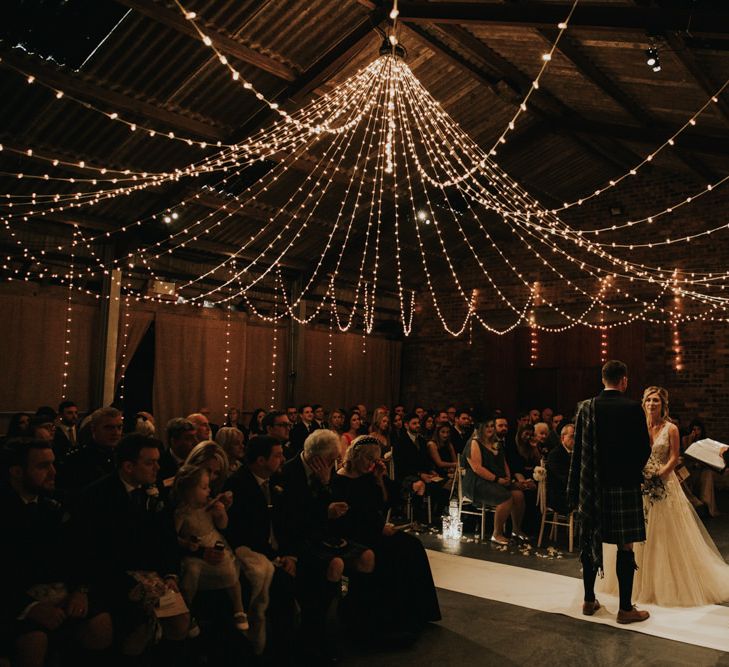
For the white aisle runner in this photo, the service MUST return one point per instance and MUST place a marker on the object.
(556, 594)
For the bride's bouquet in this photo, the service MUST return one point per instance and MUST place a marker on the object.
(653, 487)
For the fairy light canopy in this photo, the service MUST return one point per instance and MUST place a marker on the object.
(404, 179)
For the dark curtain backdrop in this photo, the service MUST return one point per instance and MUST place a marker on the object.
(372, 378)
(32, 341)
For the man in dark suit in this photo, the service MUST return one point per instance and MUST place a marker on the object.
(414, 469)
(44, 589)
(558, 470)
(308, 506)
(256, 532)
(125, 529)
(611, 447)
(302, 430)
(461, 432)
(88, 464)
(181, 438)
(65, 437)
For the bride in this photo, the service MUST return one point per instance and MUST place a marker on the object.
(678, 564)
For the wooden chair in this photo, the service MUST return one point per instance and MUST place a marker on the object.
(557, 519)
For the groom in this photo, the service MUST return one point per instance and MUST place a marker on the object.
(611, 447)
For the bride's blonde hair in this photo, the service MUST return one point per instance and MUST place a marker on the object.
(662, 394)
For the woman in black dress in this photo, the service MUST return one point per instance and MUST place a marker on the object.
(441, 451)
(488, 481)
(406, 597)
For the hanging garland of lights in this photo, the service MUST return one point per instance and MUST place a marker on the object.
(391, 176)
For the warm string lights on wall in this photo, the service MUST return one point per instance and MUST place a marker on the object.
(604, 285)
(67, 329)
(533, 331)
(274, 349)
(125, 337)
(675, 332)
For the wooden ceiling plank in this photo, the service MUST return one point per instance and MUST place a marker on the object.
(85, 88)
(697, 71)
(542, 15)
(225, 44)
(321, 71)
(598, 78)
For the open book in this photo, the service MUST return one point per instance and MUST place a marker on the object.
(708, 451)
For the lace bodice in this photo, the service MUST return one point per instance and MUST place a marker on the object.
(661, 447)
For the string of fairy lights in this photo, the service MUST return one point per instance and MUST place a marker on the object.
(372, 179)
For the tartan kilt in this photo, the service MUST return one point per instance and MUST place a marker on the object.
(623, 520)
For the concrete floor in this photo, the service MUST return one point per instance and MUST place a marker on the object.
(475, 631)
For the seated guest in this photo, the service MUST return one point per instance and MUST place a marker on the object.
(518, 455)
(302, 429)
(277, 425)
(19, 426)
(541, 442)
(211, 456)
(292, 412)
(319, 416)
(461, 433)
(557, 423)
(380, 429)
(130, 548)
(352, 424)
(89, 464)
(336, 421)
(558, 470)
(403, 581)
(441, 451)
(441, 418)
(44, 589)
(397, 426)
(488, 482)
(202, 426)
(414, 469)
(534, 416)
(181, 438)
(233, 444)
(256, 532)
(364, 429)
(198, 522)
(205, 412)
(144, 424)
(522, 419)
(42, 427)
(233, 418)
(308, 508)
(427, 425)
(65, 437)
(254, 426)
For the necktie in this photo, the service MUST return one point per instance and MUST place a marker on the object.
(267, 495)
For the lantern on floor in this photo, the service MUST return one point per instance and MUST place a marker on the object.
(452, 524)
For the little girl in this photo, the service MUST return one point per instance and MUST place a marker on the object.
(211, 564)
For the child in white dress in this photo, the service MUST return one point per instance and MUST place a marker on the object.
(211, 564)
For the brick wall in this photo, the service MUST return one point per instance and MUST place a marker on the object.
(486, 371)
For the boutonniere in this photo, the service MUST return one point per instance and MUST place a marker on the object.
(277, 489)
(152, 491)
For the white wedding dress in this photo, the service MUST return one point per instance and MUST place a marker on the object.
(678, 564)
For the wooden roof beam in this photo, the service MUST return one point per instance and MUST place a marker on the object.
(543, 103)
(86, 88)
(227, 45)
(539, 15)
(598, 78)
(322, 70)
